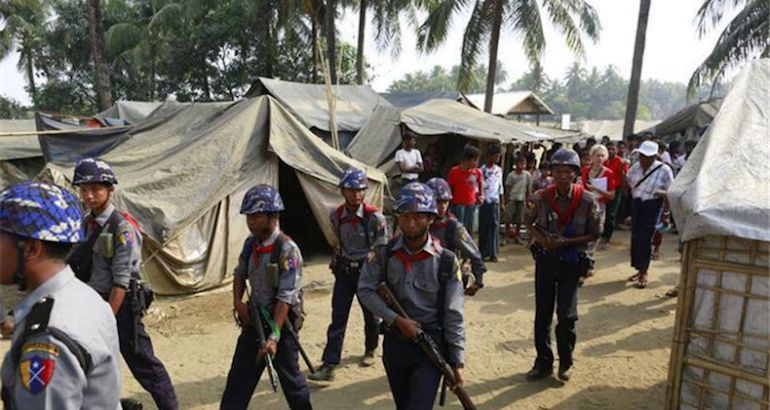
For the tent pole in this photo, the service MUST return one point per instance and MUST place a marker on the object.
(331, 98)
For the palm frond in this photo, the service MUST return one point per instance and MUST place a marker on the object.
(562, 19)
(711, 12)
(433, 31)
(166, 17)
(590, 23)
(123, 37)
(744, 38)
(474, 39)
(524, 17)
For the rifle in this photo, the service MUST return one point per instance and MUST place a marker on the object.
(136, 313)
(429, 347)
(256, 316)
(289, 328)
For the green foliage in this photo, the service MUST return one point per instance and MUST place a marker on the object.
(438, 79)
(595, 94)
(11, 109)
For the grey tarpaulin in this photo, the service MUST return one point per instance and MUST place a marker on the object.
(80, 143)
(379, 138)
(126, 112)
(183, 173)
(20, 156)
(696, 115)
(355, 103)
(406, 99)
(723, 188)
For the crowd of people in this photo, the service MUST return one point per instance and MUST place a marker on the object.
(411, 284)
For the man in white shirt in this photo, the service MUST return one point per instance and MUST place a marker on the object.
(489, 214)
(648, 181)
(409, 160)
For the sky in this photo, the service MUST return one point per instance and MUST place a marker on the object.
(673, 49)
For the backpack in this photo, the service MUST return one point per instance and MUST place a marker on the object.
(297, 311)
(368, 211)
(80, 258)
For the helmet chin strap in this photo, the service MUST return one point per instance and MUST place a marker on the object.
(18, 276)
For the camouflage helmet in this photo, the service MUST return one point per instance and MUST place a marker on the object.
(565, 156)
(354, 178)
(92, 170)
(416, 197)
(440, 188)
(38, 210)
(261, 198)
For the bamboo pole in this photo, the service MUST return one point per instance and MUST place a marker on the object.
(331, 98)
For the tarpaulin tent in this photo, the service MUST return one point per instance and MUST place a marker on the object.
(610, 128)
(719, 357)
(20, 156)
(690, 120)
(513, 103)
(406, 99)
(126, 112)
(79, 142)
(309, 104)
(183, 173)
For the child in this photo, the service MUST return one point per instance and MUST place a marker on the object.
(543, 179)
(489, 215)
(518, 186)
(467, 185)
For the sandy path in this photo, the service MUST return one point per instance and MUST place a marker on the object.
(622, 353)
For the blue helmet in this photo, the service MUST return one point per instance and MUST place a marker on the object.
(92, 170)
(416, 197)
(354, 178)
(37, 210)
(440, 188)
(565, 156)
(261, 198)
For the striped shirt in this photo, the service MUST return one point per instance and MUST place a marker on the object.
(660, 180)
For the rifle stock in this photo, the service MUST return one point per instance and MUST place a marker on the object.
(256, 317)
(429, 347)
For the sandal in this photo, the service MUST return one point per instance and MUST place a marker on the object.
(641, 283)
(655, 255)
(672, 293)
(633, 278)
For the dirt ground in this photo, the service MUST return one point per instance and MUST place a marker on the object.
(621, 358)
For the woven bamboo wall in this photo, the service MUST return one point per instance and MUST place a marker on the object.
(721, 348)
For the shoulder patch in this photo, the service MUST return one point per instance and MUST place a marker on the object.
(458, 271)
(40, 347)
(36, 373)
(126, 238)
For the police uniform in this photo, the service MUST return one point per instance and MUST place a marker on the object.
(455, 237)
(64, 352)
(284, 285)
(115, 262)
(557, 272)
(357, 235)
(416, 283)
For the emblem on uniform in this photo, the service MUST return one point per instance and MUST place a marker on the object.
(292, 263)
(126, 239)
(36, 373)
(40, 347)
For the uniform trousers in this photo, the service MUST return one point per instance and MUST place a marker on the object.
(345, 287)
(644, 217)
(556, 283)
(245, 372)
(413, 379)
(489, 230)
(142, 362)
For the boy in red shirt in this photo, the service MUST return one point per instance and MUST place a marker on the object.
(467, 183)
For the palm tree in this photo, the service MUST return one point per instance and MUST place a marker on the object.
(632, 101)
(24, 32)
(745, 37)
(99, 54)
(574, 18)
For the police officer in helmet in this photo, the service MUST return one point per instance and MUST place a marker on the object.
(563, 220)
(109, 261)
(272, 264)
(425, 278)
(359, 227)
(64, 353)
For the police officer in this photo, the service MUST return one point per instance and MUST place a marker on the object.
(563, 220)
(425, 279)
(272, 263)
(109, 260)
(64, 353)
(454, 236)
(359, 228)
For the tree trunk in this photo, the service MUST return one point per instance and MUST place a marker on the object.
(494, 40)
(31, 76)
(361, 37)
(636, 69)
(101, 69)
(314, 29)
(331, 39)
